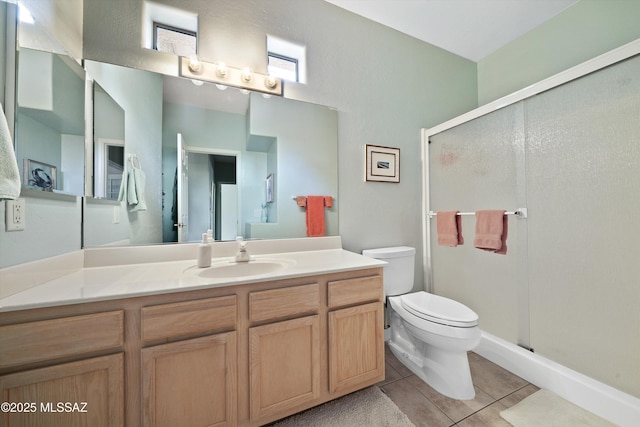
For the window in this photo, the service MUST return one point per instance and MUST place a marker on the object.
(169, 29)
(286, 60)
(174, 40)
(282, 66)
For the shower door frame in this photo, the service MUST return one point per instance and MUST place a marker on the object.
(602, 61)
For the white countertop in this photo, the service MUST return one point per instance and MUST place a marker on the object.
(149, 278)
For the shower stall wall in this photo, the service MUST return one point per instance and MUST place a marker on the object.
(569, 285)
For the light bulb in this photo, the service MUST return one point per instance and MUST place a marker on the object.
(194, 65)
(197, 82)
(221, 87)
(246, 75)
(221, 70)
(270, 82)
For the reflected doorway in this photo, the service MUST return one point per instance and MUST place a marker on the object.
(206, 195)
(213, 196)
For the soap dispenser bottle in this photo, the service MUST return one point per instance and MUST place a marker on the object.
(204, 252)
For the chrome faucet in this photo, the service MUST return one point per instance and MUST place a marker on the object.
(242, 255)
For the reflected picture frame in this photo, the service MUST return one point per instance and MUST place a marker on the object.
(269, 188)
(39, 175)
(382, 163)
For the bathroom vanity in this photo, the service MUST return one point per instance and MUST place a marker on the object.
(207, 351)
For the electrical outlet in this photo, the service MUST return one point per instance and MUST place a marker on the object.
(15, 215)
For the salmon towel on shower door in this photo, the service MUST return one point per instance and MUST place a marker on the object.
(491, 231)
(449, 228)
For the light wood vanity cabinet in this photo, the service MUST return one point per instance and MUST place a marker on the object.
(191, 382)
(284, 355)
(88, 391)
(241, 355)
(356, 340)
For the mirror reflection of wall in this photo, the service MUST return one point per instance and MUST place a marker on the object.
(138, 95)
(50, 122)
(295, 142)
(108, 149)
(257, 131)
(49, 136)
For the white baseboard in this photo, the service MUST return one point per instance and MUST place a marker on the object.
(603, 400)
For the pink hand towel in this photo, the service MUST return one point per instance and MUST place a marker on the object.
(491, 231)
(449, 228)
(315, 216)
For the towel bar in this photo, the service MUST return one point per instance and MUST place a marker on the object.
(520, 213)
(294, 197)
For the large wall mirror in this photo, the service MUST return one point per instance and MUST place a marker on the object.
(235, 147)
(230, 147)
(49, 119)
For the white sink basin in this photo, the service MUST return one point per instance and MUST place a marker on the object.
(230, 269)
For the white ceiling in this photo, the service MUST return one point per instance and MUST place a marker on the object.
(472, 29)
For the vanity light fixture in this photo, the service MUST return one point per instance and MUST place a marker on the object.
(223, 75)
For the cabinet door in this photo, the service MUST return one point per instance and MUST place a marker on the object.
(85, 393)
(284, 362)
(190, 383)
(356, 347)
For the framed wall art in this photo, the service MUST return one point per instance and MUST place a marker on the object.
(382, 163)
(39, 175)
(269, 188)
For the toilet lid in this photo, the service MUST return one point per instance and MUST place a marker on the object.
(439, 309)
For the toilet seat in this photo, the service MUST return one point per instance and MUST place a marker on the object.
(437, 309)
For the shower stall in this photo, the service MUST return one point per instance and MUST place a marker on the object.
(566, 154)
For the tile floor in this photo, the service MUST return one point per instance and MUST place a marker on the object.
(496, 390)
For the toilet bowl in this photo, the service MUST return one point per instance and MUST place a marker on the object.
(435, 348)
(430, 334)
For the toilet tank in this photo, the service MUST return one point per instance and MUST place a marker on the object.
(398, 272)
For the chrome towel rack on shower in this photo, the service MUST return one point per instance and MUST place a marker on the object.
(520, 213)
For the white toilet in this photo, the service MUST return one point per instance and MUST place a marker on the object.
(430, 334)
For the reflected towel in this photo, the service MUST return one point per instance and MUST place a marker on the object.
(9, 174)
(132, 185)
(449, 228)
(301, 201)
(138, 182)
(124, 185)
(491, 231)
(315, 216)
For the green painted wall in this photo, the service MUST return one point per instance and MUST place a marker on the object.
(584, 31)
